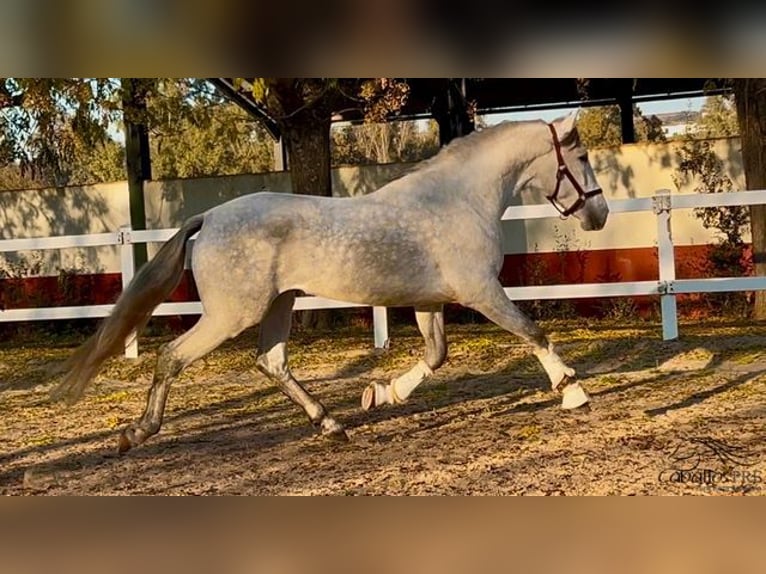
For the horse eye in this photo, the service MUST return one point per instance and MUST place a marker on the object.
(583, 157)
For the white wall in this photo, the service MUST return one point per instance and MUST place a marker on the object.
(635, 170)
(67, 211)
(632, 170)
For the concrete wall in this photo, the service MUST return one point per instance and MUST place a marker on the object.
(66, 211)
(635, 170)
(169, 202)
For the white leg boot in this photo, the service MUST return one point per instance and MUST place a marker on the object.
(554, 366)
(573, 393)
(398, 390)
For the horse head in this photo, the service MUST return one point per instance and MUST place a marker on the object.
(567, 178)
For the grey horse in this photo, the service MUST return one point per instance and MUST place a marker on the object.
(426, 239)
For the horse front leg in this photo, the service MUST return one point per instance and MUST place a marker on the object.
(431, 324)
(495, 305)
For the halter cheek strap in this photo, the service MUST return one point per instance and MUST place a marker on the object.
(561, 173)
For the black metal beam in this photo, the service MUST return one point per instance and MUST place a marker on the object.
(247, 103)
(137, 157)
(500, 95)
(624, 95)
(450, 110)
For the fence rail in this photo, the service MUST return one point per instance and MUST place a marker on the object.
(666, 287)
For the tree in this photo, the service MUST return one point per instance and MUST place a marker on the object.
(648, 128)
(100, 163)
(11, 178)
(601, 126)
(194, 132)
(750, 97)
(47, 123)
(59, 132)
(303, 109)
(66, 131)
(381, 143)
(697, 157)
(717, 118)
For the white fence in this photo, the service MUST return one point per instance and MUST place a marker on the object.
(666, 287)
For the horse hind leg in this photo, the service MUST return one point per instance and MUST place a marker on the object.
(206, 335)
(272, 362)
(431, 324)
(495, 305)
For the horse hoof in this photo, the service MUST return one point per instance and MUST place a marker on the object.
(132, 436)
(337, 436)
(368, 397)
(333, 430)
(125, 444)
(574, 397)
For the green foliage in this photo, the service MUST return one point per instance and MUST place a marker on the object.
(285, 98)
(380, 143)
(648, 128)
(56, 132)
(718, 118)
(100, 163)
(46, 123)
(698, 161)
(601, 126)
(12, 178)
(193, 133)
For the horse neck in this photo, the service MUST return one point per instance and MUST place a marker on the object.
(490, 174)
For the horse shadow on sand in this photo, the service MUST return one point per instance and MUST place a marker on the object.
(514, 388)
(525, 390)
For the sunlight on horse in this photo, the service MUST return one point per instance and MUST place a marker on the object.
(426, 239)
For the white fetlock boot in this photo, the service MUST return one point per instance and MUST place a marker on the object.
(397, 391)
(377, 394)
(555, 368)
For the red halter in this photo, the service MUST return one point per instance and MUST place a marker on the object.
(561, 173)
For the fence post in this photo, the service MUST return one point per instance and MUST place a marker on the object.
(667, 262)
(380, 327)
(128, 269)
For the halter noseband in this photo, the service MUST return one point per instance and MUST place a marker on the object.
(561, 173)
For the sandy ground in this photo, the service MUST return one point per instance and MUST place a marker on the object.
(684, 417)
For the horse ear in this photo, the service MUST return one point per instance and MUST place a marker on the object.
(565, 126)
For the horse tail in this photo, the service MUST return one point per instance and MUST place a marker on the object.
(153, 283)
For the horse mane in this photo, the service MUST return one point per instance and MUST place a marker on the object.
(457, 152)
(461, 147)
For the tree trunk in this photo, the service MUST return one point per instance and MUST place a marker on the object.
(750, 96)
(307, 139)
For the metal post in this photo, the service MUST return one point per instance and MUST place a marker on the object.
(128, 269)
(280, 159)
(380, 327)
(137, 156)
(667, 263)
